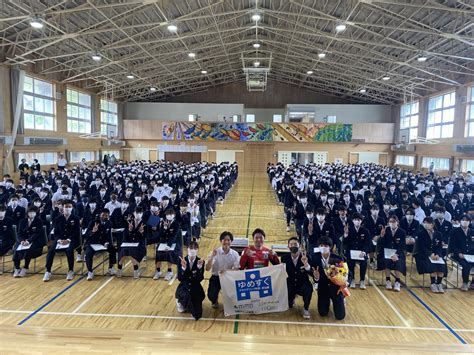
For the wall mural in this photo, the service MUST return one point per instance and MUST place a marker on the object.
(257, 132)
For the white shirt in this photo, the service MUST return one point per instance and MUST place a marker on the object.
(224, 262)
(62, 162)
(111, 206)
(419, 214)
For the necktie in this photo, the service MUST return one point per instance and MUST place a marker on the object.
(310, 227)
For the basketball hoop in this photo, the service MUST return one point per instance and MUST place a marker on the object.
(95, 135)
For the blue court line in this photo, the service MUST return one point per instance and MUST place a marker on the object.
(23, 321)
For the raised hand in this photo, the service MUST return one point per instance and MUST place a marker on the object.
(382, 232)
(183, 262)
(316, 273)
(200, 263)
(96, 228)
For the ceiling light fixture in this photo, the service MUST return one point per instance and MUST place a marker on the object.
(386, 77)
(130, 76)
(36, 22)
(321, 55)
(203, 71)
(152, 89)
(96, 57)
(192, 55)
(340, 27)
(422, 59)
(309, 72)
(256, 63)
(362, 91)
(256, 17)
(256, 45)
(172, 28)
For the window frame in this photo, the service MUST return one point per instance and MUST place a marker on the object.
(438, 114)
(36, 114)
(426, 161)
(29, 156)
(106, 113)
(410, 157)
(247, 117)
(413, 110)
(71, 119)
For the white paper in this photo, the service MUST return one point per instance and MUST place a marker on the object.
(163, 246)
(469, 258)
(23, 247)
(61, 246)
(98, 247)
(316, 250)
(129, 245)
(240, 242)
(355, 255)
(388, 253)
(374, 242)
(439, 261)
(117, 230)
(183, 233)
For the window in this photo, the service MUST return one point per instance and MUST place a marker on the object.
(108, 117)
(407, 160)
(44, 158)
(235, 118)
(38, 104)
(470, 114)
(76, 157)
(277, 118)
(409, 119)
(79, 112)
(110, 152)
(439, 163)
(250, 117)
(192, 118)
(467, 165)
(441, 116)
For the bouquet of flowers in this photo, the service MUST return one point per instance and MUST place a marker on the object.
(337, 274)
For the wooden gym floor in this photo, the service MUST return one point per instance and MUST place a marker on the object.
(110, 315)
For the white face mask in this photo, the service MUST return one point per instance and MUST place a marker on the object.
(138, 215)
(456, 225)
(303, 200)
(67, 210)
(374, 213)
(170, 217)
(392, 225)
(324, 250)
(192, 253)
(124, 206)
(37, 204)
(309, 215)
(138, 199)
(410, 217)
(321, 217)
(154, 208)
(464, 224)
(93, 205)
(357, 223)
(31, 215)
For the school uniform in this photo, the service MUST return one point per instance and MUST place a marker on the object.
(184, 220)
(31, 231)
(357, 239)
(134, 236)
(463, 243)
(7, 236)
(101, 236)
(396, 241)
(65, 229)
(327, 291)
(299, 216)
(426, 245)
(168, 234)
(189, 292)
(313, 230)
(17, 215)
(339, 224)
(297, 281)
(411, 228)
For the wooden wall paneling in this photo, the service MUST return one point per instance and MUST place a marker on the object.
(239, 159)
(153, 155)
(211, 155)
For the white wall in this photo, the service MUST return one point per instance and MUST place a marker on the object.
(265, 114)
(350, 113)
(180, 111)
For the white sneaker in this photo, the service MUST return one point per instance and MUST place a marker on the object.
(362, 285)
(215, 305)
(79, 258)
(388, 285)
(288, 228)
(23, 272)
(157, 275)
(119, 273)
(111, 271)
(372, 265)
(136, 274)
(464, 287)
(306, 314)
(70, 275)
(396, 286)
(169, 276)
(315, 287)
(440, 288)
(144, 258)
(179, 307)
(16, 273)
(434, 288)
(90, 276)
(353, 284)
(47, 276)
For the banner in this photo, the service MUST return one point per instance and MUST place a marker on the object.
(255, 291)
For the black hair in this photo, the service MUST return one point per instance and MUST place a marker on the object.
(226, 234)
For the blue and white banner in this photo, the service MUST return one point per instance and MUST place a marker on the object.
(255, 291)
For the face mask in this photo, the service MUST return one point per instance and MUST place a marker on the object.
(138, 215)
(427, 226)
(170, 217)
(180, 191)
(67, 210)
(323, 198)
(14, 203)
(357, 223)
(192, 253)
(347, 199)
(294, 250)
(309, 215)
(393, 225)
(374, 213)
(439, 215)
(191, 201)
(386, 207)
(324, 250)
(2, 214)
(138, 199)
(124, 206)
(303, 200)
(331, 200)
(464, 224)
(456, 225)
(154, 208)
(37, 204)
(31, 215)
(37, 190)
(410, 217)
(320, 217)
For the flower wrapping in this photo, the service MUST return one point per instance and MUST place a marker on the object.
(337, 274)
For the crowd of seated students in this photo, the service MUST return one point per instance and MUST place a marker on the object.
(375, 215)
(116, 209)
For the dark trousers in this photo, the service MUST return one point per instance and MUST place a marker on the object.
(27, 255)
(299, 227)
(288, 215)
(363, 268)
(214, 288)
(325, 296)
(69, 254)
(5, 249)
(90, 255)
(466, 269)
(305, 290)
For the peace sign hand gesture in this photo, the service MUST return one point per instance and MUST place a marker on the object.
(316, 273)
(304, 259)
(183, 263)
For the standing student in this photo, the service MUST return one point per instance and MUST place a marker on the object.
(168, 234)
(189, 293)
(327, 291)
(298, 268)
(429, 248)
(315, 228)
(67, 232)
(221, 259)
(463, 244)
(258, 255)
(392, 238)
(358, 238)
(62, 162)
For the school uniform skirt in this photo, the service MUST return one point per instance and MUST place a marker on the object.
(399, 265)
(137, 253)
(168, 256)
(425, 266)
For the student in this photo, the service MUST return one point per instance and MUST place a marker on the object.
(411, 226)
(429, 248)
(257, 255)
(67, 231)
(189, 293)
(315, 228)
(220, 260)
(357, 237)
(62, 162)
(30, 233)
(100, 232)
(7, 235)
(327, 291)
(298, 269)
(463, 244)
(169, 233)
(392, 238)
(134, 233)
(15, 211)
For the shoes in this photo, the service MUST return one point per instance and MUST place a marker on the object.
(362, 285)
(180, 307)
(396, 286)
(136, 274)
(434, 288)
(168, 276)
(157, 275)
(119, 273)
(111, 271)
(79, 258)
(16, 273)
(90, 275)
(353, 284)
(440, 288)
(23, 272)
(464, 287)
(388, 285)
(70, 275)
(288, 228)
(47, 276)
(306, 314)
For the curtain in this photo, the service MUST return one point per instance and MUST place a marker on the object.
(120, 108)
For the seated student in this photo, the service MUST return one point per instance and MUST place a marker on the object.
(100, 232)
(392, 238)
(169, 233)
(67, 231)
(189, 293)
(298, 269)
(429, 246)
(30, 233)
(411, 226)
(220, 260)
(463, 244)
(15, 211)
(327, 291)
(134, 233)
(257, 255)
(374, 224)
(357, 237)
(7, 236)
(152, 229)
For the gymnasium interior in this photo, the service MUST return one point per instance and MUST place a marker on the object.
(248, 92)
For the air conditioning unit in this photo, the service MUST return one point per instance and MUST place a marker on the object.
(358, 140)
(403, 147)
(40, 141)
(464, 148)
(6, 139)
(113, 143)
(405, 135)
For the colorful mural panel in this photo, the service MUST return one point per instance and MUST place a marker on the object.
(258, 132)
(168, 129)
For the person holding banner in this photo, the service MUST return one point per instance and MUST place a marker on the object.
(257, 255)
(298, 269)
(327, 291)
(221, 260)
(190, 294)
